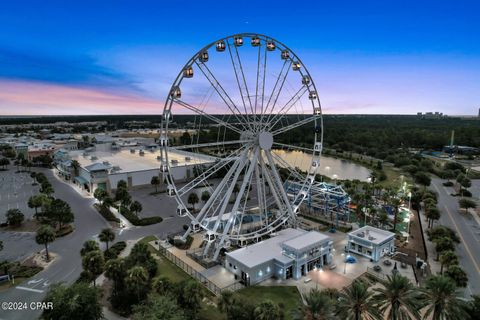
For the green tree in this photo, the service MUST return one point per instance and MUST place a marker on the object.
(163, 286)
(456, 273)
(356, 302)
(395, 203)
(35, 202)
(100, 194)
(447, 258)
(59, 212)
(472, 308)
(398, 299)
(318, 306)
(422, 178)
(158, 307)
(89, 246)
(193, 199)
(76, 302)
(106, 235)
(141, 255)
(205, 196)
(45, 235)
(467, 204)
(225, 301)
(442, 301)
(268, 310)
(155, 182)
(46, 188)
(432, 214)
(136, 282)
(115, 271)
(14, 217)
(189, 297)
(75, 166)
(136, 207)
(444, 244)
(440, 232)
(94, 264)
(122, 184)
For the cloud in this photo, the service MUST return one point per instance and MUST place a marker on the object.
(78, 71)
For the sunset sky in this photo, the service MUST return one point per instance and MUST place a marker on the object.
(120, 57)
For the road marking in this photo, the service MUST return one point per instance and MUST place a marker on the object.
(463, 240)
(29, 289)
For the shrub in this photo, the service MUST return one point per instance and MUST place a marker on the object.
(24, 271)
(448, 184)
(139, 221)
(106, 213)
(67, 229)
(114, 250)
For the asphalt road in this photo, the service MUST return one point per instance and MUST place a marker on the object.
(467, 228)
(67, 268)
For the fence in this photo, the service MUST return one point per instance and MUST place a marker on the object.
(212, 287)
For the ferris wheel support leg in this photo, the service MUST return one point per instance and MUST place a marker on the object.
(187, 233)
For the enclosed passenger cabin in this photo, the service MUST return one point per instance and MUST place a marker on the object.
(188, 72)
(317, 111)
(181, 211)
(203, 56)
(210, 236)
(220, 46)
(238, 41)
(312, 95)
(270, 45)
(296, 66)
(285, 54)
(255, 41)
(170, 190)
(176, 93)
(306, 80)
(318, 146)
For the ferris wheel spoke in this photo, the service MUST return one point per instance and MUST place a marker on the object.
(213, 118)
(280, 186)
(240, 77)
(246, 178)
(200, 179)
(290, 146)
(272, 186)
(260, 84)
(211, 144)
(242, 119)
(277, 88)
(286, 108)
(233, 170)
(284, 164)
(295, 125)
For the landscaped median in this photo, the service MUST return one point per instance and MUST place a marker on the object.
(107, 213)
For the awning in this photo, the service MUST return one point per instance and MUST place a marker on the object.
(81, 180)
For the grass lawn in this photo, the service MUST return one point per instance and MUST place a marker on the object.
(8, 284)
(288, 296)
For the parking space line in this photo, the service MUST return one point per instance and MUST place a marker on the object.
(29, 289)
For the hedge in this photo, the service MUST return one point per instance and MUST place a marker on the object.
(137, 221)
(106, 213)
(114, 250)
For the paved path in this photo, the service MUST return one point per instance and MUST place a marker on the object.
(88, 224)
(467, 229)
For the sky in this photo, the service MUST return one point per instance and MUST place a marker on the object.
(121, 57)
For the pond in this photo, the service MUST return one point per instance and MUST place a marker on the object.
(330, 167)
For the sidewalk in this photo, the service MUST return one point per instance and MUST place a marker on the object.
(434, 265)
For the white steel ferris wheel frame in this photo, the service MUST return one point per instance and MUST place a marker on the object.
(256, 136)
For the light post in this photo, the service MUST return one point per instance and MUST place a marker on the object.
(345, 256)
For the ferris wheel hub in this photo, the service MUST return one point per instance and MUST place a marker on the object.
(265, 140)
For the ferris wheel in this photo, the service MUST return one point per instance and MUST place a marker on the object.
(242, 99)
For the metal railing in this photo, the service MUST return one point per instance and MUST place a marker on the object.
(212, 287)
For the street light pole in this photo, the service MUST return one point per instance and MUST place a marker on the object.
(409, 213)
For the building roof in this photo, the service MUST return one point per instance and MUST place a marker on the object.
(372, 234)
(97, 167)
(265, 250)
(305, 241)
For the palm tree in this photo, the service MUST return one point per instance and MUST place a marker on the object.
(442, 301)
(94, 264)
(398, 299)
(192, 199)
(155, 182)
(447, 258)
(107, 235)
(356, 302)
(137, 281)
(89, 246)
(75, 166)
(225, 301)
(267, 310)
(318, 306)
(136, 207)
(45, 235)
(395, 203)
(115, 271)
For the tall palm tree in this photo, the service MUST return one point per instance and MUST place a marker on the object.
(318, 306)
(107, 235)
(225, 301)
(356, 302)
(115, 271)
(442, 301)
(398, 299)
(137, 281)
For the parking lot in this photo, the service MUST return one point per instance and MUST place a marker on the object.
(15, 189)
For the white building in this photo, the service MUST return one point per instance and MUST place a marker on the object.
(371, 242)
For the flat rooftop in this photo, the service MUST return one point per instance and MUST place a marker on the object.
(265, 250)
(306, 240)
(130, 162)
(372, 234)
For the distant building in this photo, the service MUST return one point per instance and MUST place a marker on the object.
(21, 148)
(453, 149)
(292, 253)
(371, 242)
(430, 115)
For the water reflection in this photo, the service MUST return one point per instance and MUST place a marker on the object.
(330, 167)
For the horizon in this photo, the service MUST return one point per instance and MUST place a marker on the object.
(121, 58)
